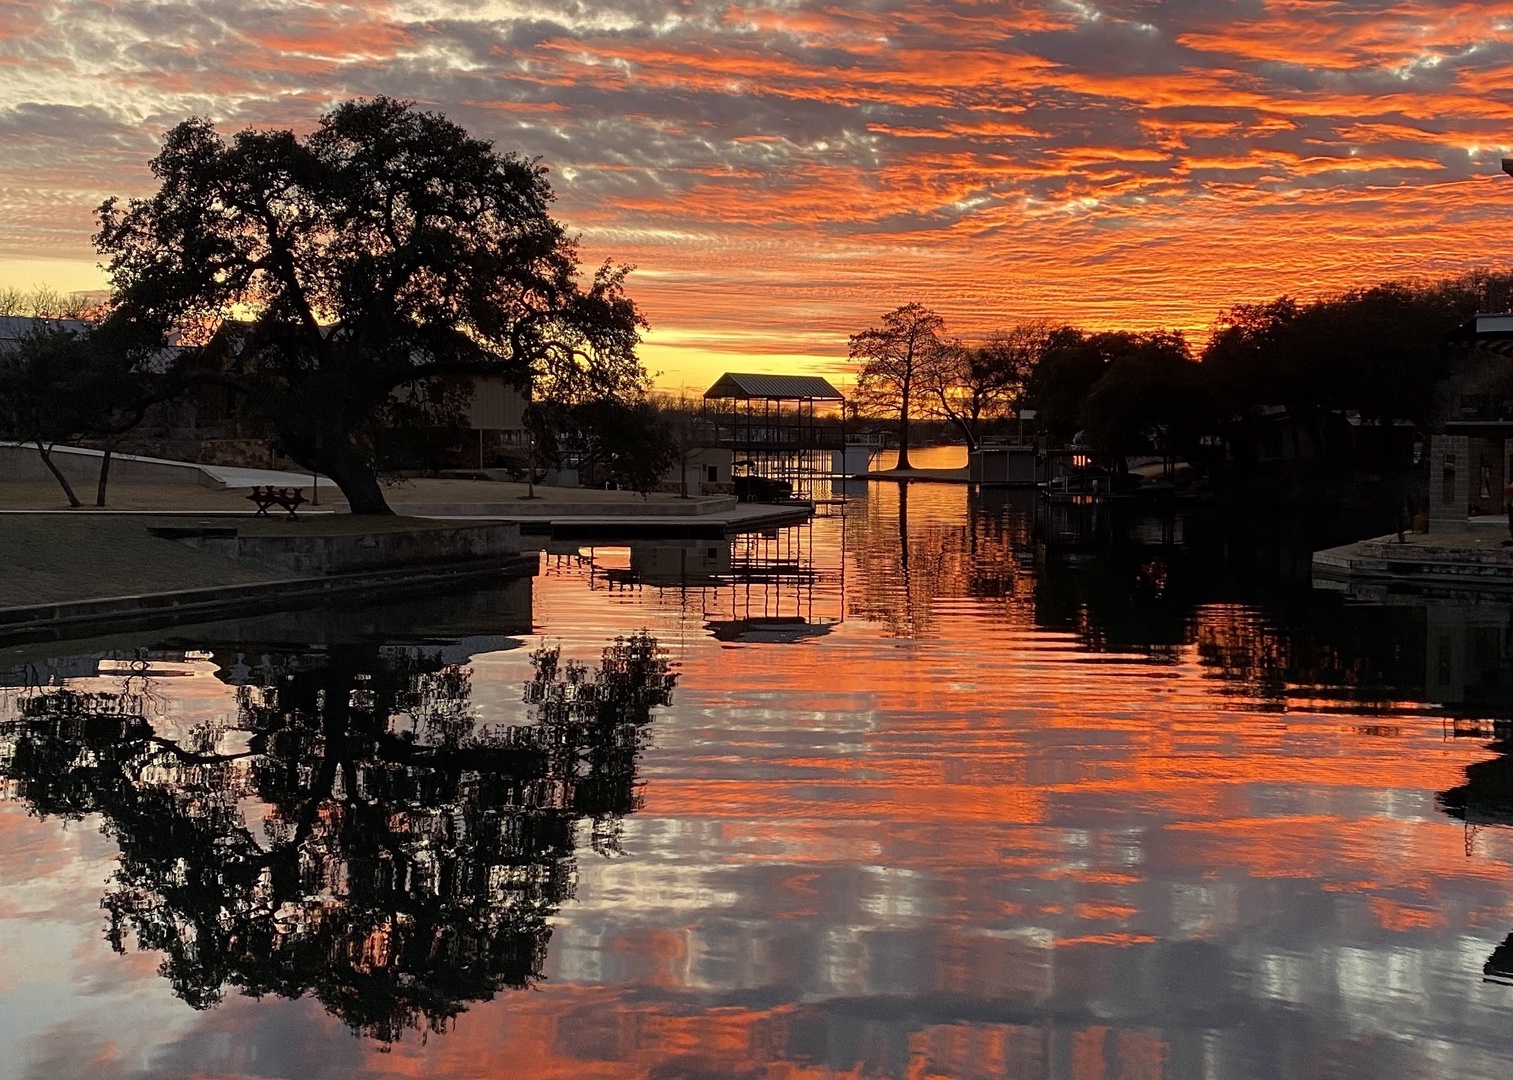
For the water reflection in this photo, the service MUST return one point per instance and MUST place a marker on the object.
(904, 567)
(1485, 800)
(352, 832)
(772, 587)
(1017, 806)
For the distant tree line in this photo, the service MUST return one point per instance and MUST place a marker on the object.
(1376, 354)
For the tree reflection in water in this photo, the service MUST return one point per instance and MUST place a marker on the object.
(353, 833)
(905, 567)
(1486, 798)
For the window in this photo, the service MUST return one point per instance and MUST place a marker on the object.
(714, 474)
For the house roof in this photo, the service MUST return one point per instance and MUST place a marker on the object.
(773, 387)
(1491, 332)
(15, 328)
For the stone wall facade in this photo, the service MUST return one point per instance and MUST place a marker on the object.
(1450, 469)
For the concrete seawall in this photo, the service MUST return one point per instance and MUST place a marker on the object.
(560, 508)
(73, 618)
(1471, 558)
(341, 554)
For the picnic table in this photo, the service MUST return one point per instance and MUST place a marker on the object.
(267, 496)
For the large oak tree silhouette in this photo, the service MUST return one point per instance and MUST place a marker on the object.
(352, 833)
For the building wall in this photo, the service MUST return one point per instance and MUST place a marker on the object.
(496, 405)
(1481, 461)
(1488, 458)
(1004, 465)
(707, 471)
(1450, 471)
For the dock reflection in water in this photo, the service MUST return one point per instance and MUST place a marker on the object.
(1015, 811)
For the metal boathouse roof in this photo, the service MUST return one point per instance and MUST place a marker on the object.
(773, 388)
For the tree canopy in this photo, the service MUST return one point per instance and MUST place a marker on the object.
(892, 358)
(64, 380)
(1374, 356)
(387, 248)
(968, 385)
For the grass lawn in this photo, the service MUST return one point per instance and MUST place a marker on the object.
(47, 558)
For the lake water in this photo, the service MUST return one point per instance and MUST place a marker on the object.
(924, 791)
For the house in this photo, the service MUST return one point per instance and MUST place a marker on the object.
(1471, 453)
(703, 470)
(495, 411)
(496, 424)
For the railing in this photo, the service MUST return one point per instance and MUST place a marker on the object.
(796, 437)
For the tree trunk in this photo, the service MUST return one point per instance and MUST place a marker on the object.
(104, 476)
(1308, 419)
(47, 459)
(1387, 431)
(358, 484)
(966, 423)
(966, 431)
(903, 432)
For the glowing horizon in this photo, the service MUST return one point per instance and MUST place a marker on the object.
(781, 174)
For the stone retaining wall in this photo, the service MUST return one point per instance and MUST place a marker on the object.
(72, 618)
(560, 509)
(367, 551)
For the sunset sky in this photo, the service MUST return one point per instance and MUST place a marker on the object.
(782, 173)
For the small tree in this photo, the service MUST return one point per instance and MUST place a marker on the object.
(387, 248)
(59, 384)
(687, 430)
(894, 358)
(624, 442)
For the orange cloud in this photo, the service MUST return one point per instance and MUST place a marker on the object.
(788, 171)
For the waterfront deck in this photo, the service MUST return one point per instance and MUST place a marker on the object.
(1475, 558)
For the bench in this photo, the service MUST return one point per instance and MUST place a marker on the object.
(267, 496)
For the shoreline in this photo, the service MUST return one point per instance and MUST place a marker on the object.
(73, 572)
